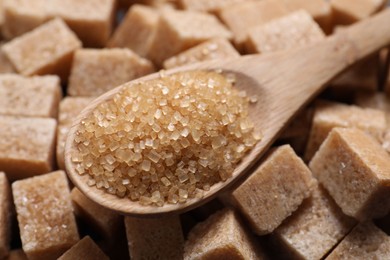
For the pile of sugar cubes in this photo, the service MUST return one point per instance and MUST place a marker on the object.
(321, 192)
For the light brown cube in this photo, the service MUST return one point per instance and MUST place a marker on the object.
(221, 236)
(355, 170)
(240, 18)
(154, 238)
(5, 215)
(365, 241)
(48, 49)
(103, 221)
(277, 187)
(295, 30)
(26, 146)
(45, 215)
(95, 72)
(320, 10)
(17, 254)
(314, 229)
(70, 107)
(137, 30)
(210, 50)
(328, 115)
(85, 249)
(178, 31)
(5, 64)
(350, 11)
(207, 5)
(91, 20)
(35, 96)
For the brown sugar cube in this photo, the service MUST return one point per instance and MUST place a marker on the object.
(45, 215)
(26, 146)
(97, 71)
(314, 229)
(210, 50)
(221, 236)
(207, 5)
(355, 170)
(320, 10)
(241, 17)
(277, 187)
(35, 96)
(350, 11)
(365, 241)
(328, 115)
(48, 49)
(178, 31)
(85, 249)
(295, 30)
(137, 30)
(69, 109)
(5, 208)
(5, 64)
(154, 238)
(103, 221)
(17, 254)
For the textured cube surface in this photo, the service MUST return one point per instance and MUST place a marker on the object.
(317, 226)
(274, 190)
(350, 11)
(69, 109)
(328, 115)
(221, 236)
(35, 96)
(207, 5)
(48, 49)
(85, 249)
(365, 241)
(26, 146)
(5, 213)
(209, 50)
(355, 170)
(137, 30)
(5, 64)
(159, 238)
(45, 215)
(97, 71)
(181, 30)
(295, 30)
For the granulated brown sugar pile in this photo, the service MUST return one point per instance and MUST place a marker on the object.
(166, 140)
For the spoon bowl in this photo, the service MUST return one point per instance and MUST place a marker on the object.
(283, 82)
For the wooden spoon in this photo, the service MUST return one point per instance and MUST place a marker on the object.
(284, 82)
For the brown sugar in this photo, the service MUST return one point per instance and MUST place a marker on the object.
(165, 140)
(355, 170)
(154, 238)
(17, 254)
(328, 115)
(137, 30)
(320, 10)
(85, 249)
(5, 214)
(45, 215)
(181, 30)
(207, 5)
(243, 16)
(34, 96)
(295, 30)
(26, 146)
(91, 20)
(103, 221)
(94, 72)
(48, 49)
(221, 236)
(209, 50)
(69, 109)
(365, 241)
(314, 229)
(5, 64)
(350, 11)
(274, 191)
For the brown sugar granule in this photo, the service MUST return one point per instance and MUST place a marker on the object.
(85, 249)
(34, 96)
(165, 140)
(45, 215)
(155, 238)
(365, 241)
(5, 213)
